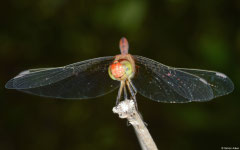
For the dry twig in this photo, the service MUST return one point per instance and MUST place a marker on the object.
(126, 109)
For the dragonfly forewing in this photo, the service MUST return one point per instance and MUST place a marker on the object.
(86, 79)
(219, 82)
(167, 84)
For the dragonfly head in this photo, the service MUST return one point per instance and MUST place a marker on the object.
(120, 70)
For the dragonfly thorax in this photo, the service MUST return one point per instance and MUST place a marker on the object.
(120, 70)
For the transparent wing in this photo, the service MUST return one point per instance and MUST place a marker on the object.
(39, 77)
(86, 79)
(166, 84)
(219, 82)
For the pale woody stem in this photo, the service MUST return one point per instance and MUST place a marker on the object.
(126, 109)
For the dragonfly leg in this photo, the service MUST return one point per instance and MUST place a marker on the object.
(132, 85)
(130, 90)
(122, 84)
(133, 94)
(125, 92)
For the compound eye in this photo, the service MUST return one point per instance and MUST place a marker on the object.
(127, 67)
(116, 70)
(120, 70)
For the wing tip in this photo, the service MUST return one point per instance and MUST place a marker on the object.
(9, 84)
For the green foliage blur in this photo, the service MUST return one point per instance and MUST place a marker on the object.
(182, 33)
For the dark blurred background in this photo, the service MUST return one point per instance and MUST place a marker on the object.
(182, 33)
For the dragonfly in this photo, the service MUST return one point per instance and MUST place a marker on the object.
(132, 74)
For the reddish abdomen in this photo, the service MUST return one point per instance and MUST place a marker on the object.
(123, 45)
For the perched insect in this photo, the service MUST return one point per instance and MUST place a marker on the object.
(99, 76)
